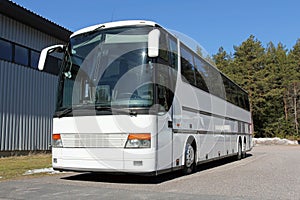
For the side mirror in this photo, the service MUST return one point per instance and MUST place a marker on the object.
(46, 51)
(153, 43)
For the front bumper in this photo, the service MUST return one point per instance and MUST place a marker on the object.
(104, 160)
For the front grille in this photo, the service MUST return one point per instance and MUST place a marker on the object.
(94, 140)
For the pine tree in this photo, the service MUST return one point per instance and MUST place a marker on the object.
(293, 88)
(222, 60)
(272, 78)
(274, 74)
(247, 65)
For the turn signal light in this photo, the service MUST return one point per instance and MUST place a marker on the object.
(56, 136)
(139, 136)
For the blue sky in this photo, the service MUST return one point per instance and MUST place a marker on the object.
(213, 23)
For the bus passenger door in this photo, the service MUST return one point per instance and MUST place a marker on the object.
(164, 145)
(165, 79)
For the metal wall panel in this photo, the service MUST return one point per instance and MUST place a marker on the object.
(27, 96)
(27, 104)
(19, 33)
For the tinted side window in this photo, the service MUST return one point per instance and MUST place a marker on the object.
(247, 103)
(163, 50)
(215, 82)
(226, 83)
(234, 97)
(187, 66)
(173, 53)
(241, 98)
(200, 75)
(5, 50)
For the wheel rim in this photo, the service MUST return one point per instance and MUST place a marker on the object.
(189, 156)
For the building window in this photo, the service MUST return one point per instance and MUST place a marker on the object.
(34, 59)
(21, 55)
(5, 50)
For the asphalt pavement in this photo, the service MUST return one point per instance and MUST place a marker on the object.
(268, 172)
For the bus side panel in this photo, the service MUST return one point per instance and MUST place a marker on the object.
(164, 142)
(179, 141)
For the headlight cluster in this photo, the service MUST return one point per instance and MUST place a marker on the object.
(134, 140)
(56, 141)
(138, 140)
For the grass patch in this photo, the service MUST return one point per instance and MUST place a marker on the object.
(16, 166)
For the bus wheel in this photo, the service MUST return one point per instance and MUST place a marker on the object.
(239, 154)
(244, 155)
(189, 163)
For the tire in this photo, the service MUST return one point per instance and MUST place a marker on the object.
(189, 159)
(240, 153)
(244, 154)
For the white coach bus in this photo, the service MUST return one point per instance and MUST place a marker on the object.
(133, 98)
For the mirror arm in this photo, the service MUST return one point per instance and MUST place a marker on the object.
(48, 50)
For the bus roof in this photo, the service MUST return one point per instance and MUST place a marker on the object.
(115, 24)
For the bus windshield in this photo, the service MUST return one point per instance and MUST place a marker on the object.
(107, 68)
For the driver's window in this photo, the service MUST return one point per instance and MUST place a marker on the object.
(163, 90)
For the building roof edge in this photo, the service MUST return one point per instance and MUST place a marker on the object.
(34, 20)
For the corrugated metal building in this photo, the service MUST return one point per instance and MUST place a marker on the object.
(27, 96)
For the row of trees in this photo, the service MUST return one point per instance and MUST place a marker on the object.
(271, 75)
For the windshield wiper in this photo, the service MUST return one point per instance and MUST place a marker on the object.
(117, 110)
(98, 28)
(63, 113)
(69, 110)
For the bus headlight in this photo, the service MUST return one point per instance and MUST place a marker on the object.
(56, 141)
(138, 140)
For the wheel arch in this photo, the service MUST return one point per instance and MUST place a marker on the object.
(191, 140)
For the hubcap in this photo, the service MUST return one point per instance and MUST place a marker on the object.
(189, 155)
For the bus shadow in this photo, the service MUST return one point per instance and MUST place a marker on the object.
(217, 163)
(124, 178)
(139, 179)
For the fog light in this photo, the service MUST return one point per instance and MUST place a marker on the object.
(137, 163)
